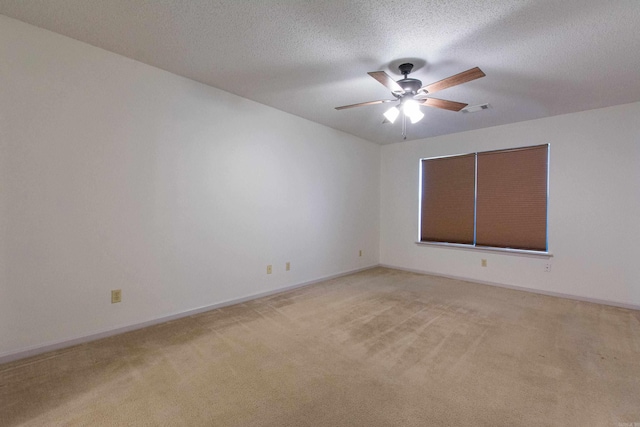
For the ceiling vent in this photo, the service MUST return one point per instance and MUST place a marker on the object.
(476, 108)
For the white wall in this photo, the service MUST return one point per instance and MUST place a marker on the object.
(594, 206)
(115, 174)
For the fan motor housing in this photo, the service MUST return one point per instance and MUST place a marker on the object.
(410, 85)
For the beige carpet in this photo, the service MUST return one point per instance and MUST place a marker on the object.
(377, 348)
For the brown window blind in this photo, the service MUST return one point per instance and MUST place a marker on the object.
(511, 209)
(448, 193)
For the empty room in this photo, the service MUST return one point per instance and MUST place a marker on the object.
(319, 213)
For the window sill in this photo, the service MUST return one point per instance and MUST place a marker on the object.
(507, 251)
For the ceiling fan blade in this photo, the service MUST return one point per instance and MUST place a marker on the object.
(463, 77)
(362, 104)
(386, 80)
(444, 104)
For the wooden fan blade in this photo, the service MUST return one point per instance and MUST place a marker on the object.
(386, 80)
(444, 104)
(463, 77)
(362, 104)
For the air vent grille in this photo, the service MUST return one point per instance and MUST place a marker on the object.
(476, 108)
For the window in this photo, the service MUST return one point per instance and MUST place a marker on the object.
(490, 199)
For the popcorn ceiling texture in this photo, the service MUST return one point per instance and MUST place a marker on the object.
(542, 57)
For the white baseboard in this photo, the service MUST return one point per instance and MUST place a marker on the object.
(519, 288)
(51, 346)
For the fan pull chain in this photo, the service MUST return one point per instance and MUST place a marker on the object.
(404, 126)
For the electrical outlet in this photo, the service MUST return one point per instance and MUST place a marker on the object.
(547, 267)
(360, 252)
(116, 296)
(269, 269)
(484, 262)
(288, 266)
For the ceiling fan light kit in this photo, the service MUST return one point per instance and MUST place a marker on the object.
(392, 114)
(416, 116)
(410, 108)
(411, 94)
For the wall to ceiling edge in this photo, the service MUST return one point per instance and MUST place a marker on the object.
(118, 175)
(594, 206)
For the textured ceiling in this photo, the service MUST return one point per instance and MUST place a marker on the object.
(541, 57)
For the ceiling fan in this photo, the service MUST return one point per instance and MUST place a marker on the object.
(411, 94)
